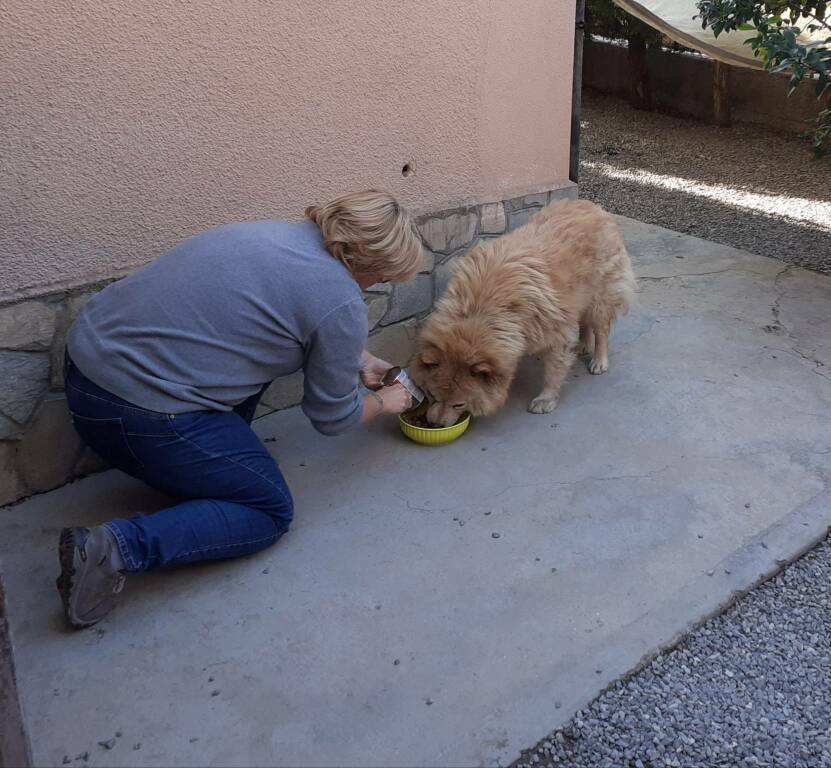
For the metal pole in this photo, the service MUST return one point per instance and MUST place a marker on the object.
(576, 91)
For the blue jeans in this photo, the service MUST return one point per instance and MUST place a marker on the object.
(235, 500)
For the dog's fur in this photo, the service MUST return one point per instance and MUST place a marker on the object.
(552, 287)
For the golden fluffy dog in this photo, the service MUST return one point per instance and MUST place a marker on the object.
(552, 287)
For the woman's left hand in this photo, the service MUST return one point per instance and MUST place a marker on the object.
(373, 370)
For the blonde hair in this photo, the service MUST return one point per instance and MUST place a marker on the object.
(371, 235)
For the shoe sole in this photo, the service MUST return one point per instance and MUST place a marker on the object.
(66, 581)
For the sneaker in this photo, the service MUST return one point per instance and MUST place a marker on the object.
(90, 574)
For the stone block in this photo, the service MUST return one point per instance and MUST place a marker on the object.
(262, 410)
(428, 263)
(518, 219)
(395, 343)
(493, 219)
(538, 200)
(284, 392)
(24, 379)
(376, 306)
(567, 192)
(409, 299)
(28, 325)
(443, 235)
(9, 430)
(68, 314)
(50, 448)
(11, 489)
(379, 288)
(89, 463)
(443, 272)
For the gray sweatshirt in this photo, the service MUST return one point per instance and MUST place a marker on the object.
(209, 323)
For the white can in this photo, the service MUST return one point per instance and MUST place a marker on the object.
(401, 376)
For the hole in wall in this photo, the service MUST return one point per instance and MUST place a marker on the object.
(408, 169)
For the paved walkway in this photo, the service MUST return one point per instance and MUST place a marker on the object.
(748, 688)
(392, 626)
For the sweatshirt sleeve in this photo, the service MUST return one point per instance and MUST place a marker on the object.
(331, 396)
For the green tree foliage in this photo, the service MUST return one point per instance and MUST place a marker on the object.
(605, 19)
(778, 24)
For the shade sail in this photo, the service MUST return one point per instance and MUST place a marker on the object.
(676, 19)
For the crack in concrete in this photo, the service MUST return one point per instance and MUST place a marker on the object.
(779, 325)
(658, 278)
(628, 342)
(798, 353)
(776, 307)
(412, 508)
(550, 483)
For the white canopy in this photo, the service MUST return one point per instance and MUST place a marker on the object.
(675, 19)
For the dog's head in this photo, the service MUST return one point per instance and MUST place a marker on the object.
(463, 368)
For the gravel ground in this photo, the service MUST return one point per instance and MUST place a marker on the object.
(751, 687)
(747, 186)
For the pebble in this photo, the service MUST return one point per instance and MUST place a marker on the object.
(748, 688)
(396, 662)
(495, 535)
(84, 756)
(215, 692)
(108, 744)
(666, 145)
(66, 760)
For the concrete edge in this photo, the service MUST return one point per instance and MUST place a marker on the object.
(748, 568)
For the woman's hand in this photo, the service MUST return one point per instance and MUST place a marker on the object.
(396, 399)
(372, 371)
(389, 400)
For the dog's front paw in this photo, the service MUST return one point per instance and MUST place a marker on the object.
(598, 366)
(542, 405)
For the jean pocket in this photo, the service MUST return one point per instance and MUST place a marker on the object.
(109, 440)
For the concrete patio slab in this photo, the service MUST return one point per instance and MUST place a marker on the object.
(450, 606)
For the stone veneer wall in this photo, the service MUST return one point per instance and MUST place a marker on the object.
(39, 449)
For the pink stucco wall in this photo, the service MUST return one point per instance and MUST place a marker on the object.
(125, 126)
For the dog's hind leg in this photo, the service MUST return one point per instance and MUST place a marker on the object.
(584, 345)
(557, 361)
(600, 360)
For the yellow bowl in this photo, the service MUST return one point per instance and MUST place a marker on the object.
(432, 435)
